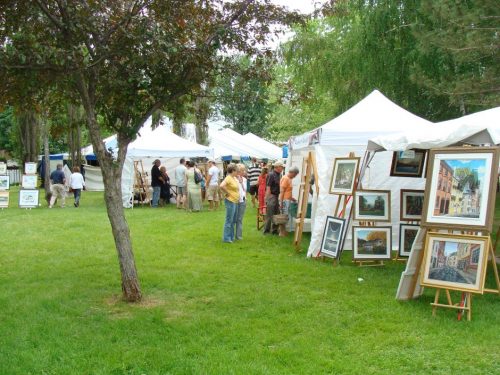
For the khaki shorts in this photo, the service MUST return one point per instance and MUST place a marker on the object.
(213, 193)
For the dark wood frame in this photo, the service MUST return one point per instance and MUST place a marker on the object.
(401, 237)
(429, 202)
(374, 257)
(484, 258)
(420, 171)
(356, 173)
(372, 218)
(341, 239)
(401, 201)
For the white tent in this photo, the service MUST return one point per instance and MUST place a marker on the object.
(266, 148)
(228, 144)
(373, 116)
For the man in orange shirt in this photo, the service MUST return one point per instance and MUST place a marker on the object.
(286, 197)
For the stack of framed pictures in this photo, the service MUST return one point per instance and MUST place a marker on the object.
(372, 242)
(4, 186)
(29, 194)
(459, 195)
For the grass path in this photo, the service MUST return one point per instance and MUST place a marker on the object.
(252, 307)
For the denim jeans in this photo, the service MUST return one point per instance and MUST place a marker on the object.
(156, 196)
(76, 194)
(231, 210)
(240, 212)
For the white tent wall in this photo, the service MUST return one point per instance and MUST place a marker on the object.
(93, 178)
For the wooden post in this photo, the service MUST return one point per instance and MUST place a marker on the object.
(303, 199)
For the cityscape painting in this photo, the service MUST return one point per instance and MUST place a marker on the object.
(455, 262)
(461, 188)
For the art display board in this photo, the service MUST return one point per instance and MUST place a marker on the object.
(28, 198)
(4, 182)
(3, 168)
(29, 181)
(4, 199)
(30, 168)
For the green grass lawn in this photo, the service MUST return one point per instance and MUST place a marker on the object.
(252, 307)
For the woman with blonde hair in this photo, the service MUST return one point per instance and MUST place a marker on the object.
(231, 190)
(242, 203)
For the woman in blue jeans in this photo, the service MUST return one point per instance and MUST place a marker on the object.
(231, 190)
(242, 203)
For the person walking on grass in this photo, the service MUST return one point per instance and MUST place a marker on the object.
(262, 191)
(242, 204)
(231, 190)
(286, 197)
(76, 183)
(156, 182)
(253, 177)
(272, 194)
(194, 202)
(213, 186)
(57, 189)
(180, 181)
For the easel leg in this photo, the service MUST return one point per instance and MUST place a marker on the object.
(436, 301)
(469, 306)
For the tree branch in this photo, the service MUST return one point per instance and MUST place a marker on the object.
(51, 17)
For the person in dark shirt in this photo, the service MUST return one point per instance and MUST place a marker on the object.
(57, 189)
(156, 182)
(253, 178)
(272, 197)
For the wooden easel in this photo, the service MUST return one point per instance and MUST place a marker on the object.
(141, 184)
(308, 167)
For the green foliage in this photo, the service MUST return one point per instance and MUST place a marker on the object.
(252, 307)
(7, 129)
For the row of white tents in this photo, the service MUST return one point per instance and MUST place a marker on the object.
(373, 129)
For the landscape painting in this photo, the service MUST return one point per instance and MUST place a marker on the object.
(28, 198)
(30, 168)
(408, 163)
(407, 234)
(333, 236)
(371, 243)
(455, 262)
(29, 181)
(412, 204)
(4, 182)
(461, 189)
(372, 205)
(345, 171)
(4, 199)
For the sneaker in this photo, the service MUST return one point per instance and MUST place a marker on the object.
(75, 204)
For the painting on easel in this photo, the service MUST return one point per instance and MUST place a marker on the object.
(371, 243)
(345, 172)
(454, 261)
(333, 237)
(372, 205)
(412, 203)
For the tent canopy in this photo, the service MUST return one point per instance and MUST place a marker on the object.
(227, 142)
(267, 149)
(478, 128)
(373, 116)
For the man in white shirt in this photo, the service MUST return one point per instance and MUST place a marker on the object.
(180, 181)
(213, 185)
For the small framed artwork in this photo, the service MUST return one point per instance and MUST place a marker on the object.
(333, 237)
(371, 243)
(408, 163)
(455, 261)
(3, 168)
(29, 181)
(30, 168)
(28, 198)
(4, 199)
(344, 175)
(372, 205)
(4, 183)
(460, 188)
(407, 234)
(411, 205)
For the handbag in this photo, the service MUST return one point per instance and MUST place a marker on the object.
(197, 177)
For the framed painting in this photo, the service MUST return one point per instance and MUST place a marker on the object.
(344, 175)
(29, 181)
(4, 199)
(407, 234)
(455, 261)
(30, 168)
(460, 188)
(28, 198)
(4, 183)
(408, 163)
(371, 243)
(411, 205)
(372, 205)
(3, 168)
(333, 237)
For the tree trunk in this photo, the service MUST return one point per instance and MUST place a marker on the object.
(177, 127)
(46, 155)
(202, 112)
(28, 135)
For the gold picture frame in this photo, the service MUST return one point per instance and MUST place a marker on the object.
(344, 176)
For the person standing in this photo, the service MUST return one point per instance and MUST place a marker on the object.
(193, 188)
(242, 204)
(156, 182)
(76, 182)
(262, 190)
(165, 187)
(286, 197)
(58, 180)
(213, 186)
(232, 192)
(253, 178)
(272, 194)
(180, 181)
